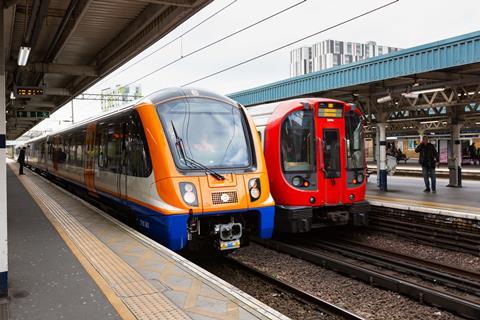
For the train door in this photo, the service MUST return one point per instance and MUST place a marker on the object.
(329, 133)
(89, 163)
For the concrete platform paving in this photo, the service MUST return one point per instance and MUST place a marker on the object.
(46, 281)
(409, 191)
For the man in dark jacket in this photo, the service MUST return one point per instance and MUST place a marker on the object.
(21, 160)
(428, 159)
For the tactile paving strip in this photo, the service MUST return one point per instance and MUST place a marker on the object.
(143, 300)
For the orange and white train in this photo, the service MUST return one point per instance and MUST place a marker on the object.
(183, 165)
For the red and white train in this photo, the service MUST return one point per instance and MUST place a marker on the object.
(314, 150)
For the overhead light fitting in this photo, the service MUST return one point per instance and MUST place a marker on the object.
(426, 122)
(384, 99)
(12, 96)
(428, 91)
(23, 54)
(411, 95)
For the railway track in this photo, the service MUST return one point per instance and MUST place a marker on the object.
(432, 235)
(320, 304)
(448, 288)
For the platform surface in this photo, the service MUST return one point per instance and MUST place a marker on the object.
(46, 281)
(408, 191)
(139, 278)
(413, 165)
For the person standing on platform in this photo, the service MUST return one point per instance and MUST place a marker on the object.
(473, 153)
(428, 160)
(21, 160)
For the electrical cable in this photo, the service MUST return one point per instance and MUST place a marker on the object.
(291, 43)
(173, 40)
(215, 42)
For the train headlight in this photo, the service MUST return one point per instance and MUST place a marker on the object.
(360, 178)
(297, 181)
(189, 193)
(254, 189)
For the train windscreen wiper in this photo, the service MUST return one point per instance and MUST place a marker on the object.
(189, 161)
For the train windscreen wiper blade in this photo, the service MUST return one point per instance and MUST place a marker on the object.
(189, 161)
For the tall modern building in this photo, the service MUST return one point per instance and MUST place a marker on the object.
(331, 53)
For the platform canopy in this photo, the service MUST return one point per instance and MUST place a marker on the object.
(427, 87)
(74, 43)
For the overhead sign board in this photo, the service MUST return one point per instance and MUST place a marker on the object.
(33, 114)
(27, 92)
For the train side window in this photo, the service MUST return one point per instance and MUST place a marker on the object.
(79, 141)
(138, 159)
(101, 146)
(111, 144)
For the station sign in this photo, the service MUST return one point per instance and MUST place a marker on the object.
(27, 92)
(33, 114)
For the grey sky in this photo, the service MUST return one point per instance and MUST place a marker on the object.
(405, 24)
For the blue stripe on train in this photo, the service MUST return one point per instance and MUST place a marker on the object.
(171, 230)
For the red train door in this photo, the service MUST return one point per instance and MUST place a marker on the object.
(90, 158)
(329, 133)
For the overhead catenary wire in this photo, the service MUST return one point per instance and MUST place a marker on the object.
(216, 42)
(292, 43)
(171, 41)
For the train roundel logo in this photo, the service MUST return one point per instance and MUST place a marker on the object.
(224, 197)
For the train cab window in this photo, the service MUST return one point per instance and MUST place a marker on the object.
(214, 133)
(298, 142)
(331, 153)
(354, 141)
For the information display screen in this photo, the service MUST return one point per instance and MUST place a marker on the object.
(330, 110)
(20, 92)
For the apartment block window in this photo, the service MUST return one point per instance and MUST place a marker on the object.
(337, 46)
(349, 47)
(336, 59)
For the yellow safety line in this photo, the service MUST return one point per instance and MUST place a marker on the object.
(114, 300)
(440, 205)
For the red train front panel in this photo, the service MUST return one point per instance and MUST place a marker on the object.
(314, 150)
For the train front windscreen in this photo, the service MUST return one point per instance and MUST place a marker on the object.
(209, 132)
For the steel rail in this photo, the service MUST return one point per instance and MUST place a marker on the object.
(460, 279)
(448, 233)
(322, 305)
(427, 235)
(383, 279)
